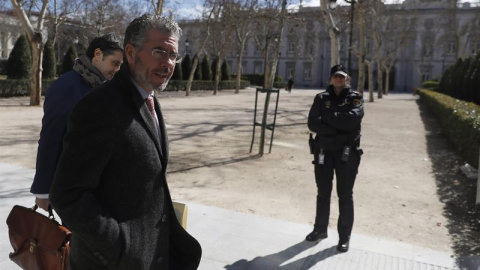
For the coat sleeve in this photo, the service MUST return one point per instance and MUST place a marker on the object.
(349, 118)
(315, 118)
(88, 145)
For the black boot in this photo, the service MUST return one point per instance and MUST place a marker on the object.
(316, 235)
(343, 246)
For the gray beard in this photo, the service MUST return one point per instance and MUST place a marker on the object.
(141, 78)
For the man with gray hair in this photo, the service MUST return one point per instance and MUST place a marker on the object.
(110, 186)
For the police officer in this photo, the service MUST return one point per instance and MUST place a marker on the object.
(336, 117)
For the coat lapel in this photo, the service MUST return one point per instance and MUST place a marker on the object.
(147, 118)
(163, 131)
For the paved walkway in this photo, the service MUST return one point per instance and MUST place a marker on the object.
(234, 241)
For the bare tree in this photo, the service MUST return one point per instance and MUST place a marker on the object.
(195, 63)
(36, 40)
(221, 28)
(267, 31)
(277, 42)
(295, 32)
(361, 48)
(59, 12)
(395, 39)
(242, 15)
(157, 6)
(333, 31)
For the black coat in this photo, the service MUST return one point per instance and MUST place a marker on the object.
(336, 119)
(110, 186)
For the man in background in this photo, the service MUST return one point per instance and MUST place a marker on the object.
(103, 58)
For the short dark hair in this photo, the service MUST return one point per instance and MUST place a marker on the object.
(136, 31)
(108, 44)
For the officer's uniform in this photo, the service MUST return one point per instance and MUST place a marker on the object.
(337, 122)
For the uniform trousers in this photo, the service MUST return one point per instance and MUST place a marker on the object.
(345, 172)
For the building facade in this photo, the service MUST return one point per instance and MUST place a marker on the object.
(437, 36)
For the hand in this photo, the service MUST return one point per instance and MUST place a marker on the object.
(43, 203)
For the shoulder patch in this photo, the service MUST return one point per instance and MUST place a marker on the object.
(357, 102)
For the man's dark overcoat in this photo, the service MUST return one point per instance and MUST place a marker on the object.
(110, 186)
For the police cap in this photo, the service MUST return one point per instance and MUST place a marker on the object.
(338, 69)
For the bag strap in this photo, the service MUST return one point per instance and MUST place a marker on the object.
(50, 211)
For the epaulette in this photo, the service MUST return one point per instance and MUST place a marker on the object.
(322, 94)
(356, 93)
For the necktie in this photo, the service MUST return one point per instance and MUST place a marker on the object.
(151, 108)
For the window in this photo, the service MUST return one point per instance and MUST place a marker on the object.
(428, 24)
(426, 73)
(291, 46)
(307, 72)
(309, 48)
(427, 46)
(244, 66)
(258, 68)
(452, 47)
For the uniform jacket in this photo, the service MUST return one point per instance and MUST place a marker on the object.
(110, 186)
(336, 119)
(60, 99)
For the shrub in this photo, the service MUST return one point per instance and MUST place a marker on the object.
(460, 122)
(19, 64)
(69, 59)
(257, 79)
(48, 63)
(198, 71)
(3, 66)
(225, 71)
(186, 67)
(461, 80)
(214, 68)
(206, 70)
(177, 73)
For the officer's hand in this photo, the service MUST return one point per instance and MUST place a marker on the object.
(42, 203)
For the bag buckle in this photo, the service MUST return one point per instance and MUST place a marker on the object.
(33, 245)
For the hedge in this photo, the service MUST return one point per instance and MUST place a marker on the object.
(431, 85)
(9, 88)
(181, 85)
(460, 121)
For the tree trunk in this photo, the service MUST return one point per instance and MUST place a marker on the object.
(35, 38)
(190, 76)
(217, 74)
(36, 83)
(239, 71)
(379, 79)
(361, 55)
(277, 43)
(387, 80)
(370, 80)
(332, 31)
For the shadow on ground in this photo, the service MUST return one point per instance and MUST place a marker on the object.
(279, 260)
(456, 191)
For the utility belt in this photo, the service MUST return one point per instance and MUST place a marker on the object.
(319, 147)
